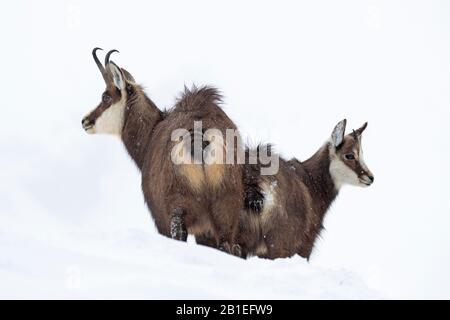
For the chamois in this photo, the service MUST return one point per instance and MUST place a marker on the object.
(297, 198)
(200, 199)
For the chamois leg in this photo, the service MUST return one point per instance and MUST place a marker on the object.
(244, 253)
(234, 249)
(225, 216)
(178, 230)
(305, 252)
(206, 240)
(209, 241)
(237, 250)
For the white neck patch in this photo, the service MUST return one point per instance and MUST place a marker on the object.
(340, 172)
(112, 119)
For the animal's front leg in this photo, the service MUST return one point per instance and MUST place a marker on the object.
(178, 230)
(206, 240)
(209, 241)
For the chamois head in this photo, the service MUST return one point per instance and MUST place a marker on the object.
(346, 157)
(108, 116)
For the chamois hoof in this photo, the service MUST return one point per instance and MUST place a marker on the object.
(206, 240)
(236, 250)
(225, 247)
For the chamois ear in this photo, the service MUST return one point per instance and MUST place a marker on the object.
(360, 130)
(128, 75)
(338, 133)
(117, 75)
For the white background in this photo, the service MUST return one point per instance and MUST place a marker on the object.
(289, 71)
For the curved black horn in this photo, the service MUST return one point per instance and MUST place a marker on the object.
(99, 64)
(108, 55)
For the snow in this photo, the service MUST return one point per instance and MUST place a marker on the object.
(132, 264)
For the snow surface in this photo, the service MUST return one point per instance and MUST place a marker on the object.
(132, 264)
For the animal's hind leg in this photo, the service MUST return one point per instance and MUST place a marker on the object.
(178, 230)
(225, 216)
(206, 240)
(209, 241)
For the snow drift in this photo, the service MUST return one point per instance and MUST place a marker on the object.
(130, 263)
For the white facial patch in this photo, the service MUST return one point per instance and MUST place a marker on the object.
(112, 119)
(340, 172)
(365, 181)
(361, 158)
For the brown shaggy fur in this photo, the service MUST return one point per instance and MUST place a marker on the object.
(202, 191)
(296, 201)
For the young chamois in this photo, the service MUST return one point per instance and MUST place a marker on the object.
(297, 198)
(201, 199)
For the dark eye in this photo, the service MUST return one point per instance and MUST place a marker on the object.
(349, 156)
(106, 98)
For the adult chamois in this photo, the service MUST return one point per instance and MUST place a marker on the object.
(297, 198)
(204, 199)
